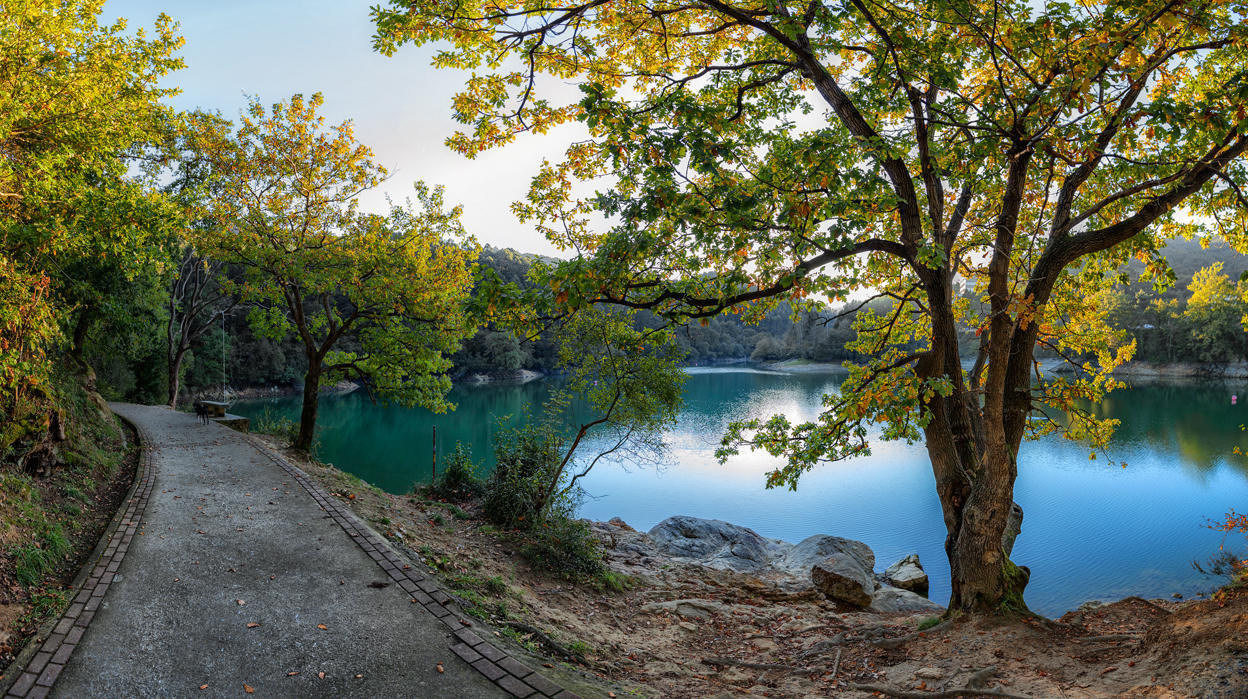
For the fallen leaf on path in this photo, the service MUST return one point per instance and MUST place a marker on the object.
(440, 668)
(322, 627)
(203, 686)
(321, 675)
(359, 677)
(252, 625)
(240, 602)
(292, 673)
(378, 584)
(248, 688)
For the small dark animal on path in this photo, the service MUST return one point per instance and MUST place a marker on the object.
(201, 412)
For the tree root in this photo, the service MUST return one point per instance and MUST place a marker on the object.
(890, 643)
(824, 646)
(976, 686)
(979, 678)
(551, 644)
(1109, 637)
(945, 694)
(770, 667)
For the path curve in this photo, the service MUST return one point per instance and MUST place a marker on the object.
(244, 574)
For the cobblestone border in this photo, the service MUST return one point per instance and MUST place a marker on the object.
(496, 665)
(36, 679)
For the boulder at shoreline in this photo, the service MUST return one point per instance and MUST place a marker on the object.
(715, 543)
(842, 569)
(908, 574)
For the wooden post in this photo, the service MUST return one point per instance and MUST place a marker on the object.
(434, 471)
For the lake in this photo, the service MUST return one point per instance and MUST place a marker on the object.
(1092, 530)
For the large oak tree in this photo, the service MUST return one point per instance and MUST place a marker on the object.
(748, 151)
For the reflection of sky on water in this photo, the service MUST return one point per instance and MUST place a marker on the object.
(1092, 530)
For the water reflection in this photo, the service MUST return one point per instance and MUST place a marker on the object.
(1195, 421)
(1092, 530)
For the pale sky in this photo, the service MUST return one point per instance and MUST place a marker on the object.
(400, 106)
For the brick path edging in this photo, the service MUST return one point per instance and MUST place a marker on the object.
(35, 680)
(496, 665)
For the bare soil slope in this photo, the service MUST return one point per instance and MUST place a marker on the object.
(689, 631)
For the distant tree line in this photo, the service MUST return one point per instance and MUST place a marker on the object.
(1199, 317)
(1196, 318)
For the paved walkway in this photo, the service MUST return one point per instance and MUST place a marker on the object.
(239, 579)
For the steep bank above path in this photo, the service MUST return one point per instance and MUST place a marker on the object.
(63, 474)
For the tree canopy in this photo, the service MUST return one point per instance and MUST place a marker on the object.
(371, 298)
(80, 101)
(743, 153)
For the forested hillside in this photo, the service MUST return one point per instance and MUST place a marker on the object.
(1199, 317)
(1166, 325)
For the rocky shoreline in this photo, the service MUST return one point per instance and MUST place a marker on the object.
(842, 570)
(1184, 370)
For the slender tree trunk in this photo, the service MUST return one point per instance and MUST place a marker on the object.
(311, 395)
(79, 340)
(175, 379)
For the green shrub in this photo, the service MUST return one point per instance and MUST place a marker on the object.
(276, 425)
(527, 458)
(458, 480)
(566, 548)
(549, 537)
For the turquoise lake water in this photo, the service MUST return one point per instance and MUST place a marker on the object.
(1091, 530)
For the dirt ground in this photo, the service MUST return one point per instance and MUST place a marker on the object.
(689, 631)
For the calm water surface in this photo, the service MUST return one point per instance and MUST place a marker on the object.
(1091, 531)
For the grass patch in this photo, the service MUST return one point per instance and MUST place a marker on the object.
(611, 581)
(520, 639)
(928, 623)
(45, 603)
(456, 511)
(275, 425)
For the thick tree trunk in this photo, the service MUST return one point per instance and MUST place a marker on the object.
(984, 580)
(973, 462)
(311, 395)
